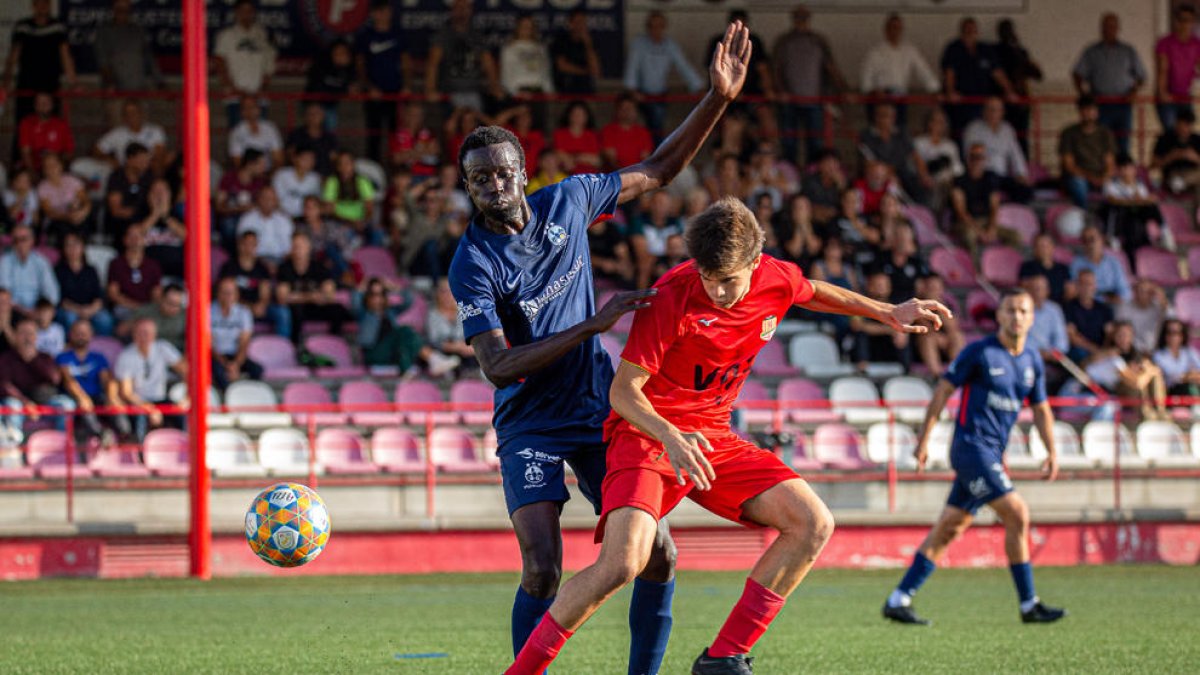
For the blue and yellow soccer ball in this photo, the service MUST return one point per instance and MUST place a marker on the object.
(287, 525)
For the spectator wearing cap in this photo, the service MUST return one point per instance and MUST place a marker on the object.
(232, 325)
(1058, 275)
(971, 69)
(133, 129)
(1111, 70)
(26, 273)
(384, 69)
(1111, 283)
(133, 278)
(576, 66)
(1088, 153)
(30, 378)
(80, 288)
(244, 58)
(1176, 56)
(1177, 156)
(804, 67)
(128, 191)
(891, 67)
(257, 133)
(1005, 156)
(652, 57)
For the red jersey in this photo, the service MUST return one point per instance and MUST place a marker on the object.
(405, 139)
(45, 135)
(630, 144)
(698, 355)
(586, 143)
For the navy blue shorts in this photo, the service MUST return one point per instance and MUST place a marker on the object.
(979, 477)
(532, 475)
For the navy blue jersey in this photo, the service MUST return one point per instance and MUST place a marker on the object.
(533, 285)
(995, 384)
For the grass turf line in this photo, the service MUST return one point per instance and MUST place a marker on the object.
(1123, 619)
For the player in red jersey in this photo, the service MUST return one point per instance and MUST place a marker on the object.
(669, 436)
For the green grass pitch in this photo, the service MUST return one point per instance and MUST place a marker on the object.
(1124, 619)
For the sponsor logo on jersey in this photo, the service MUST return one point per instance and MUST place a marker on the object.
(769, 325)
(538, 455)
(553, 290)
(1028, 376)
(707, 322)
(995, 372)
(1004, 403)
(556, 234)
(467, 310)
(534, 477)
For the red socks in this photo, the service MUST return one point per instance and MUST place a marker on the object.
(748, 620)
(541, 647)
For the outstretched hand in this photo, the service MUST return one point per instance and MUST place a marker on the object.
(731, 61)
(917, 316)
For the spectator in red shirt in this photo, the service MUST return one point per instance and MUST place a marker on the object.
(625, 141)
(413, 145)
(519, 120)
(576, 139)
(877, 181)
(43, 132)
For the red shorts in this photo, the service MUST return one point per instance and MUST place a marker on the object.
(639, 475)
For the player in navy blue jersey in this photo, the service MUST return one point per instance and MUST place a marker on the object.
(522, 277)
(996, 374)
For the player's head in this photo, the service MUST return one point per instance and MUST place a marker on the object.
(492, 164)
(1015, 314)
(726, 242)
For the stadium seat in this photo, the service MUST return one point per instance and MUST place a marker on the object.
(940, 439)
(795, 391)
(856, 400)
(311, 393)
(376, 261)
(1025, 453)
(366, 393)
(12, 464)
(1066, 221)
(94, 174)
(454, 450)
(491, 445)
(178, 393)
(1000, 265)
(817, 355)
(1066, 442)
(954, 266)
(802, 450)
(1159, 266)
(755, 391)
(1193, 262)
(373, 172)
(415, 315)
(166, 453)
(284, 452)
(277, 356)
(1064, 255)
(1179, 221)
(924, 224)
(117, 462)
(474, 393)
(336, 349)
(907, 397)
(1187, 305)
(1164, 445)
(838, 446)
(772, 361)
(1021, 219)
(342, 451)
(99, 257)
(46, 452)
(230, 453)
(254, 394)
(613, 346)
(397, 450)
(422, 392)
(890, 440)
(217, 258)
(1098, 440)
(981, 308)
(110, 347)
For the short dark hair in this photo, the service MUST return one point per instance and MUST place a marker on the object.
(172, 288)
(1012, 293)
(825, 153)
(1186, 114)
(381, 4)
(1124, 159)
(725, 237)
(135, 148)
(43, 303)
(1162, 334)
(251, 155)
(1185, 9)
(482, 137)
(1085, 101)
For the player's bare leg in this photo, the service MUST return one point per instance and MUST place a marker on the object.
(540, 538)
(1014, 513)
(950, 525)
(804, 524)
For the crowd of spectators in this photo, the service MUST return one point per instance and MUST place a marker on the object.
(292, 206)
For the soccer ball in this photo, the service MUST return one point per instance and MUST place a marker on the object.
(287, 525)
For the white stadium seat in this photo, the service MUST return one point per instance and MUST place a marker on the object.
(284, 452)
(857, 400)
(817, 355)
(252, 393)
(886, 440)
(230, 453)
(907, 397)
(1066, 442)
(1098, 440)
(1164, 445)
(939, 445)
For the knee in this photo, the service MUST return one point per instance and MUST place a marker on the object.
(619, 570)
(822, 526)
(811, 527)
(1018, 519)
(661, 564)
(541, 575)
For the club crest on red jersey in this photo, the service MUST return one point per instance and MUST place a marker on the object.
(768, 327)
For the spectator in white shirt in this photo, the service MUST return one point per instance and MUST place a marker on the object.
(273, 226)
(1005, 157)
(133, 127)
(232, 325)
(143, 371)
(26, 273)
(940, 159)
(293, 183)
(892, 65)
(51, 338)
(1179, 361)
(244, 58)
(525, 61)
(1147, 312)
(257, 133)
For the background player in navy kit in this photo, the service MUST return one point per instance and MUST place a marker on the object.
(996, 374)
(522, 277)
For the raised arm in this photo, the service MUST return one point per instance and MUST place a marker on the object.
(902, 318)
(727, 72)
(941, 395)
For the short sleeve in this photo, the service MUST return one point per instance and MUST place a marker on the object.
(963, 366)
(802, 288)
(102, 361)
(169, 352)
(471, 284)
(62, 359)
(1038, 393)
(595, 193)
(126, 366)
(654, 330)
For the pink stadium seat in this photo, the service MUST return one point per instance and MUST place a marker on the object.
(1179, 221)
(924, 224)
(118, 462)
(311, 393)
(839, 446)
(802, 457)
(417, 392)
(453, 449)
(166, 453)
(366, 392)
(277, 356)
(475, 392)
(981, 307)
(1064, 255)
(110, 347)
(397, 450)
(754, 391)
(414, 317)
(799, 390)
(336, 349)
(954, 266)
(1193, 259)
(49, 253)
(624, 324)
(1021, 219)
(217, 258)
(376, 261)
(612, 346)
(772, 361)
(47, 454)
(342, 451)
(1000, 265)
(1187, 305)
(1159, 266)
